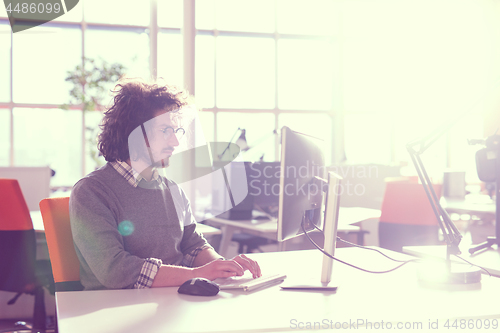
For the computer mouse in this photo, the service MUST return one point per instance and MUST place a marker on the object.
(199, 287)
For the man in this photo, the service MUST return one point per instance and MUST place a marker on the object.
(133, 228)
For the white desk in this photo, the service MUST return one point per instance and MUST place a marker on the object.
(394, 298)
(481, 205)
(268, 229)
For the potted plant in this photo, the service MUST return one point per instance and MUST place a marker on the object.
(91, 82)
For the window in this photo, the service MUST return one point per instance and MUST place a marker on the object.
(43, 134)
(170, 13)
(170, 58)
(305, 74)
(41, 61)
(4, 137)
(463, 155)
(4, 62)
(126, 12)
(207, 123)
(92, 158)
(313, 17)
(245, 15)
(402, 79)
(205, 71)
(255, 69)
(245, 72)
(262, 64)
(129, 47)
(49, 137)
(259, 129)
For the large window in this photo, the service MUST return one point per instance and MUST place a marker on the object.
(254, 71)
(40, 62)
(366, 76)
(34, 130)
(128, 46)
(411, 67)
(49, 137)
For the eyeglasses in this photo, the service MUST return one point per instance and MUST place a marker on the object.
(168, 131)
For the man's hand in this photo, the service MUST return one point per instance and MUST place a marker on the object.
(249, 264)
(219, 269)
(227, 268)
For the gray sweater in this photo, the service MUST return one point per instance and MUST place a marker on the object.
(116, 227)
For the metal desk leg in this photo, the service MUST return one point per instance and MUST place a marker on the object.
(227, 235)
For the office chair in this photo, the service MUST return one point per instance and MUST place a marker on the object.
(20, 272)
(65, 263)
(407, 218)
(248, 243)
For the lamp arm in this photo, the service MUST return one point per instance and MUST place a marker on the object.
(258, 142)
(450, 231)
(229, 143)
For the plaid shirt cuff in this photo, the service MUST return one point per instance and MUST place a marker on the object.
(148, 273)
(188, 259)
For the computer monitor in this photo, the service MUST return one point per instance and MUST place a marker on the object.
(302, 185)
(264, 184)
(261, 188)
(231, 198)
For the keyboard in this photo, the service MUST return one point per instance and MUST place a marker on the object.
(248, 283)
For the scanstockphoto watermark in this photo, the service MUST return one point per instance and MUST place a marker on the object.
(354, 324)
(262, 180)
(430, 324)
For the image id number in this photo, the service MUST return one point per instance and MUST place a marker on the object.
(478, 324)
(33, 8)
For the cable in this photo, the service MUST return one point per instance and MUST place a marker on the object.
(484, 269)
(369, 248)
(362, 247)
(350, 265)
(378, 251)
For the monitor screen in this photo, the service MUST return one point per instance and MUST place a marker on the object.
(302, 187)
(301, 195)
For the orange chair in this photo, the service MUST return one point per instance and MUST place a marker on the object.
(65, 264)
(407, 217)
(20, 272)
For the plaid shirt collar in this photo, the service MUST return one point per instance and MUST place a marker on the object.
(132, 176)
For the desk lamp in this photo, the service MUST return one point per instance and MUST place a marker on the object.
(241, 142)
(451, 273)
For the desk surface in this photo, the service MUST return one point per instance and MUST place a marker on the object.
(348, 216)
(481, 204)
(393, 298)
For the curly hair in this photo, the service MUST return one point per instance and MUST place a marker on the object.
(134, 103)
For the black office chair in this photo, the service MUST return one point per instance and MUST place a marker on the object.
(20, 272)
(249, 243)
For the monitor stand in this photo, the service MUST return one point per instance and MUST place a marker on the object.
(330, 232)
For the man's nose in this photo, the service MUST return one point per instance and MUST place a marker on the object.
(173, 141)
